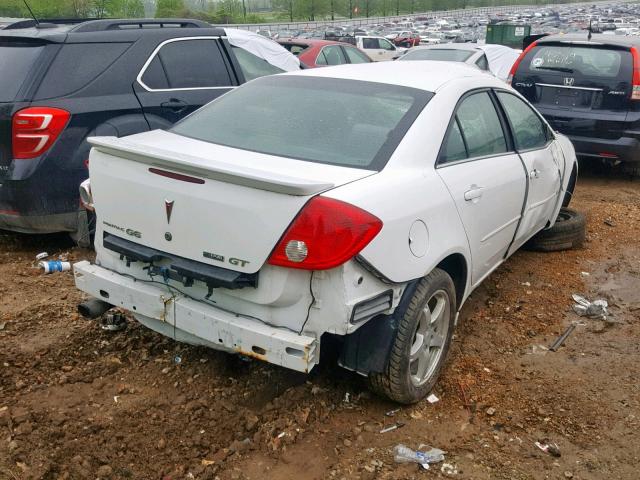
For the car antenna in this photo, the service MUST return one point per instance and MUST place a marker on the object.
(31, 12)
(590, 30)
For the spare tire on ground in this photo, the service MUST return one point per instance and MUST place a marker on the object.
(568, 232)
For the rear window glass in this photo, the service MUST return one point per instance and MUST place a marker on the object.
(324, 120)
(442, 54)
(76, 65)
(596, 62)
(16, 61)
(296, 49)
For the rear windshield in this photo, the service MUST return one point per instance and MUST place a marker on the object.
(592, 62)
(442, 54)
(16, 61)
(324, 120)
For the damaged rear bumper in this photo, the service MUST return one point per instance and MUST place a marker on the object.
(196, 322)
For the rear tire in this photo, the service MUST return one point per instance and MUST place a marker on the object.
(568, 232)
(419, 350)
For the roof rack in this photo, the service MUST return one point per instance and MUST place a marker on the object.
(127, 24)
(49, 22)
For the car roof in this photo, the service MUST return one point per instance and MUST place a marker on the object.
(422, 74)
(109, 29)
(596, 39)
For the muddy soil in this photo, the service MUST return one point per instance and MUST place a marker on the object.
(79, 402)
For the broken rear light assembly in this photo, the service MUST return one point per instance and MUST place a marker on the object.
(35, 129)
(326, 233)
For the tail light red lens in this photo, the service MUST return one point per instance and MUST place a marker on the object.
(35, 129)
(326, 233)
(635, 88)
(516, 64)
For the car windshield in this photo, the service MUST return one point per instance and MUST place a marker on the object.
(442, 54)
(325, 120)
(586, 61)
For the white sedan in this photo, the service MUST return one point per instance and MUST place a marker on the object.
(361, 201)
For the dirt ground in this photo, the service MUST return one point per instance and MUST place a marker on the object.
(78, 402)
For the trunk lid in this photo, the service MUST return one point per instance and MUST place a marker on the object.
(200, 201)
(582, 88)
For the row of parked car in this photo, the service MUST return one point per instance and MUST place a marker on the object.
(289, 209)
(63, 83)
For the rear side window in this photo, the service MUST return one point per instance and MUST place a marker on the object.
(253, 66)
(529, 131)
(591, 62)
(356, 56)
(370, 43)
(331, 55)
(16, 61)
(76, 65)
(482, 63)
(187, 64)
(454, 145)
(480, 126)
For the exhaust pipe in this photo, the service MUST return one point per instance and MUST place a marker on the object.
(93, 308)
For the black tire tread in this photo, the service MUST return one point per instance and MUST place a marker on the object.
(389, 383)
(564, 235)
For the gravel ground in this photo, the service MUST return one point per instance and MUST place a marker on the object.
(77, 402)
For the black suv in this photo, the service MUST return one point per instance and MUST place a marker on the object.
(60, 84)
(587, 89)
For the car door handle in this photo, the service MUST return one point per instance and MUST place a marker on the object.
(175, 105)
(473, 193)
(535, 173)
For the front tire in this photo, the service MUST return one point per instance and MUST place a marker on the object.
(422, 341)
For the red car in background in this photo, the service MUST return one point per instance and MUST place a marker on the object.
(404, 38)
(322, 53)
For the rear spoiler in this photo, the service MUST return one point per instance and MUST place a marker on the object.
(209, 168)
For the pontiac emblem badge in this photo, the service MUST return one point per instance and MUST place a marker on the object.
(168, 205)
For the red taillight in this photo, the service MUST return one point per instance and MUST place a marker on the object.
(516, 64)
(326, 233)
(35, 129)
(635, 88)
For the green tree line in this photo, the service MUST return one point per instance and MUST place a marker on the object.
(73, 8)
(241, 11)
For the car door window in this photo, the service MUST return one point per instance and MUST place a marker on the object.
(453, 148)
(187, 64)
(482, 63)
(386, 44)
(529, 130)
(480, 126)
(253, 66)
(331, 55)
(355, 55)
(370, 43)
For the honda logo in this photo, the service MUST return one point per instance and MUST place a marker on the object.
(168, 205)
(568, 81)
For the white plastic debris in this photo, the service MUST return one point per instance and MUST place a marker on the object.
(432, 398)
(449, 469)
(403, 454)
(41, 256)
(596, 309)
